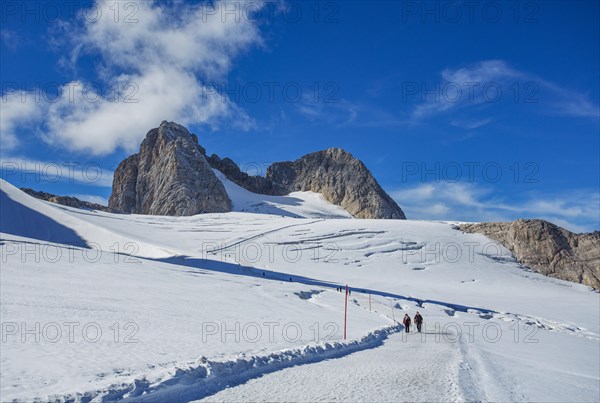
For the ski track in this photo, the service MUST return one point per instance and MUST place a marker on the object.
(253, 237)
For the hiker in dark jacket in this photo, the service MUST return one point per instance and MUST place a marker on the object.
(406, 322)
(418, 321)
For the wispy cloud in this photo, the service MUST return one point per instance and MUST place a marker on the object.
(91, 198)
(10, 39)
(489, 82)
(577, 211)
(470, 124)
(30, 172)
(337, 113)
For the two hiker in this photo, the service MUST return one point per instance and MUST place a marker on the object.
(418, 321)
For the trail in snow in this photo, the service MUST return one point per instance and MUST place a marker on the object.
(206, 377)
(404, 368)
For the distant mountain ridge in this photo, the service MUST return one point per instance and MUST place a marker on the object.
(68, 201)
(171, 175)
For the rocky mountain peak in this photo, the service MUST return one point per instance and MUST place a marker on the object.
(341, 179)
(169, 176)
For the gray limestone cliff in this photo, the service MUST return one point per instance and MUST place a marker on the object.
(341, 179)
(169, 176)
(547, 248)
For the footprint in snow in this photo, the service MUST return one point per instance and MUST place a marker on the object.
(465, 366)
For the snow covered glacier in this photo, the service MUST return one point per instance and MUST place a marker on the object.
(245, 306)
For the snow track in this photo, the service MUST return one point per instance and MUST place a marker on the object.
(207, 377)
(260, 235)
(403, 368)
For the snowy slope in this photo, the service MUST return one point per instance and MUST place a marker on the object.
(296, 204)
(189, 305)
(26, 216)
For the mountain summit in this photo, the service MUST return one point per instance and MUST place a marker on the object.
(172, 175)
(341, 179)
(169, 176)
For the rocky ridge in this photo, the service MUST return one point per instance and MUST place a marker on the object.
(69, 201)
(547, 248)
(341, 179)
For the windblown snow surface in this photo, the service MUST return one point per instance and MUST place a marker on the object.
(244, 306)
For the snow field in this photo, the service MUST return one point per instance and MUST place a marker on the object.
(105, 306)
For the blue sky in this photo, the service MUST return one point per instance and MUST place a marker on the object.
(462, 110)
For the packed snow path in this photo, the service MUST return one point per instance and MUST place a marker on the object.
(404, 368)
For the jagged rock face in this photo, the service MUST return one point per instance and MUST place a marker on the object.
(169, 176)
(67, 201)
(255, 184)
(547, 248)
(124, 196)
(341, 179)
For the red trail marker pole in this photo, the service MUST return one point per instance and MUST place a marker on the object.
(345, 310)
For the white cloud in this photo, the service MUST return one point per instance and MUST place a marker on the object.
(337, 112)
(198, 37)
(463, 86)
(477, 85)
(567, 102)
(482, 72)
(470, 124)
(439, 209)
(161, 94)
(577, 211)
(16, 109)
(10, 39)
(91, 198)
(152, 69)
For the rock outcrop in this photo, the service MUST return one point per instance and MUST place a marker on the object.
(169, 176)
(68, 201)
(547, 248)
(255, 184)
(341, 179)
